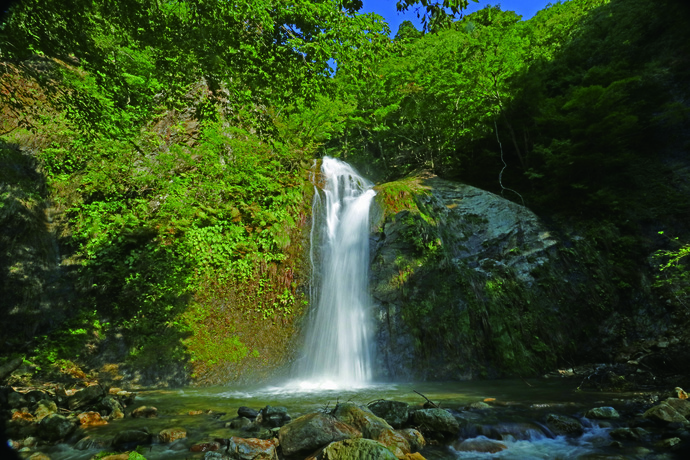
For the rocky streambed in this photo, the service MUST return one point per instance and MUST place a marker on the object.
(446, 423)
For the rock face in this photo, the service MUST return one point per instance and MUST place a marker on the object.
(467, 284)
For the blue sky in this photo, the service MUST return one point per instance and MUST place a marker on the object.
(386, 8)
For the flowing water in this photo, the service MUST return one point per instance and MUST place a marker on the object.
(518, 413)
(337, 347)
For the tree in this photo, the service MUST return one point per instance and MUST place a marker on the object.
(435, 15)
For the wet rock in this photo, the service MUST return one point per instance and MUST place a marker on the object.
(55, 427)
(564, 425)
(205, 447)
(357, 449)
(480, 444)
(682, 406)
(414, 438)
(665, 413)
(602, 413)
(112, 407)
(93, 442)
(628, 434)
(361, 418)
(21, 425)
(44, 408)
(87, 396)
(172, 434)
(239, 423)
(273, 416)
(91, 419)
(668, 443)
(396, 413)
(129, 439)
(436, 422)
(312, 431)
(252, 449)
(395, 442)
(145, 412)
(479, 405)
(247, 412)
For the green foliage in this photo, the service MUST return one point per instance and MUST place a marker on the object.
(673, 276)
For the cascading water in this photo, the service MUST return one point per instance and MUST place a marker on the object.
(337, 350)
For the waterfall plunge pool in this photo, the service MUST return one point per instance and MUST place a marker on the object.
(516, 416)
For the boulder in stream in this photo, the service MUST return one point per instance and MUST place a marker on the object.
(361, 418)
(396, 413)
(55, 427)
(436, 422)
(310, 432)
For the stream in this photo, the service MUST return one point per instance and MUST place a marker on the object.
(516, 413)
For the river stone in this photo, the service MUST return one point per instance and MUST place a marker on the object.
(395, 442)
(602, 413)
(682, 406)
(273, 416)
(247, 412)
(145, 412)
(357, 449)
(252, 448)
(113, 407)
(90, 418)
(480, 444)
(414, 438)
(564, 425)
(128, 439)
(361, 418)
(668, 443)
(395, 413)
(436, 421)
(239, 423)
(55, 427)
(172, 434)
(664, 412)
(85, 397)
(628, 434)
(312, 431)
(44, 408)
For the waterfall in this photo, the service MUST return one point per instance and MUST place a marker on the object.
(337, 348)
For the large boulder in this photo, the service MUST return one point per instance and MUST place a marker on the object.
(664, 413)
(436, 422)
(454, 271)
(312, 431)
(395, 413)
(361, 418)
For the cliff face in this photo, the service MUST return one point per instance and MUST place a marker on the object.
(467, 284)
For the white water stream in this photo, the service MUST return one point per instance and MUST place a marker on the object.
(337, 347)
